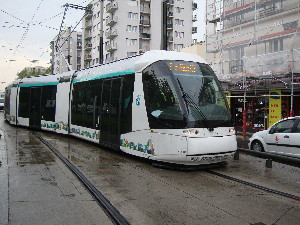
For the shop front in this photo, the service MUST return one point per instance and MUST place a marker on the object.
(257, 103)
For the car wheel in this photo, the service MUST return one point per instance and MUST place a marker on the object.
(257, 146)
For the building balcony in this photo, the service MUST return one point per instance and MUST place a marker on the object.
(170, 26)
(194, 30)
(88, 47)
(145, 36)
(145, 22)
(170, 39)
(170, 2)
(111, 34)
(144, 49)
(238, 11)
(110, 59)
(110, 21)
(170, 14)
(111, 47)
(195, 6)
(88, 36)
(111, 7)
(194, 19)
(269, 12)
(89, 15)
(144, 10)
(88, 25)
(88, 57)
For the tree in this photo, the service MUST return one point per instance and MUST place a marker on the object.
(32, 72)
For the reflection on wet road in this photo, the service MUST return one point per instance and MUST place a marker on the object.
(148, 195)
(144, 194)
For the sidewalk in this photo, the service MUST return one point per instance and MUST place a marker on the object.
(3, 181)
(37, 188)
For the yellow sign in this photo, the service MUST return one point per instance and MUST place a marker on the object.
(227, 93)
(274, 106)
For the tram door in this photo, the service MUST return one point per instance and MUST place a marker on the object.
(35, 107)
(110, 112)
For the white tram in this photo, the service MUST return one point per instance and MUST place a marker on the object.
(165, 106)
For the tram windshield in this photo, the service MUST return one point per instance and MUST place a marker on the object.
(182, 94)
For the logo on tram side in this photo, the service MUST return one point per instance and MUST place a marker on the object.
(91, 135)
(148, 148)
(138, 100)
(55, 126)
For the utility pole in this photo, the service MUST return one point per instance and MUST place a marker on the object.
(69, 46)
(101, 58)
(164, 25)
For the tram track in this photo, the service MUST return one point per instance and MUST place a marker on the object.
(270, 190)
(113, 213)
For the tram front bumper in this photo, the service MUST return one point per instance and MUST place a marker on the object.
(203, 151)
(211, 149)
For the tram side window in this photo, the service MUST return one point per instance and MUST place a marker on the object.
(126, 111)
(7, 102)
(90, 103)
(24, 102)
(77, 109)
(48, 103)
(85, 103)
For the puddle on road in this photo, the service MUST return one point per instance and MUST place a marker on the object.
(31, 151)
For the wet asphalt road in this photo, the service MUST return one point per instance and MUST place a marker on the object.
(37, 188)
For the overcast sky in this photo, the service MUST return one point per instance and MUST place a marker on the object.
(28, 26)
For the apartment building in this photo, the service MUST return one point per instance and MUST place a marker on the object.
(254, 46)
(66, 49)
(132, 27)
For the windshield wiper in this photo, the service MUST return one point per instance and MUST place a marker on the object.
(189, 100)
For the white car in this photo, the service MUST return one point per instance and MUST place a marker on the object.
(282, 137)
(1, 104)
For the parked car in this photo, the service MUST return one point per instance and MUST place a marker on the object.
(282, 137)
(1, 103)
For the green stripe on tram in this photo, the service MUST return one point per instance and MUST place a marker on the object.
(38, 84)
(102, 76)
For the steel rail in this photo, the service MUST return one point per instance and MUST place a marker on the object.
(110, 210)
(273, 191)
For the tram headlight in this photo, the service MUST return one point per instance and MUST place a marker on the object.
(232, 130)
(191, 132)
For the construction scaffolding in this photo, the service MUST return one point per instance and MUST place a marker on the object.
(254, 48)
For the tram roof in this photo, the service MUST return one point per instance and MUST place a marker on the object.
(118, 68)
(132, 65)
(42, 80)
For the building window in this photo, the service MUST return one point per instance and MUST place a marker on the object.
(131, 41)
(131, 28)
(179, 34)
(179, 10)
(274, 46)
(179, 22)
(238, 3)
(132, 3)
(236, 63)
(129, 54)
(178, 46)
(132, 15)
